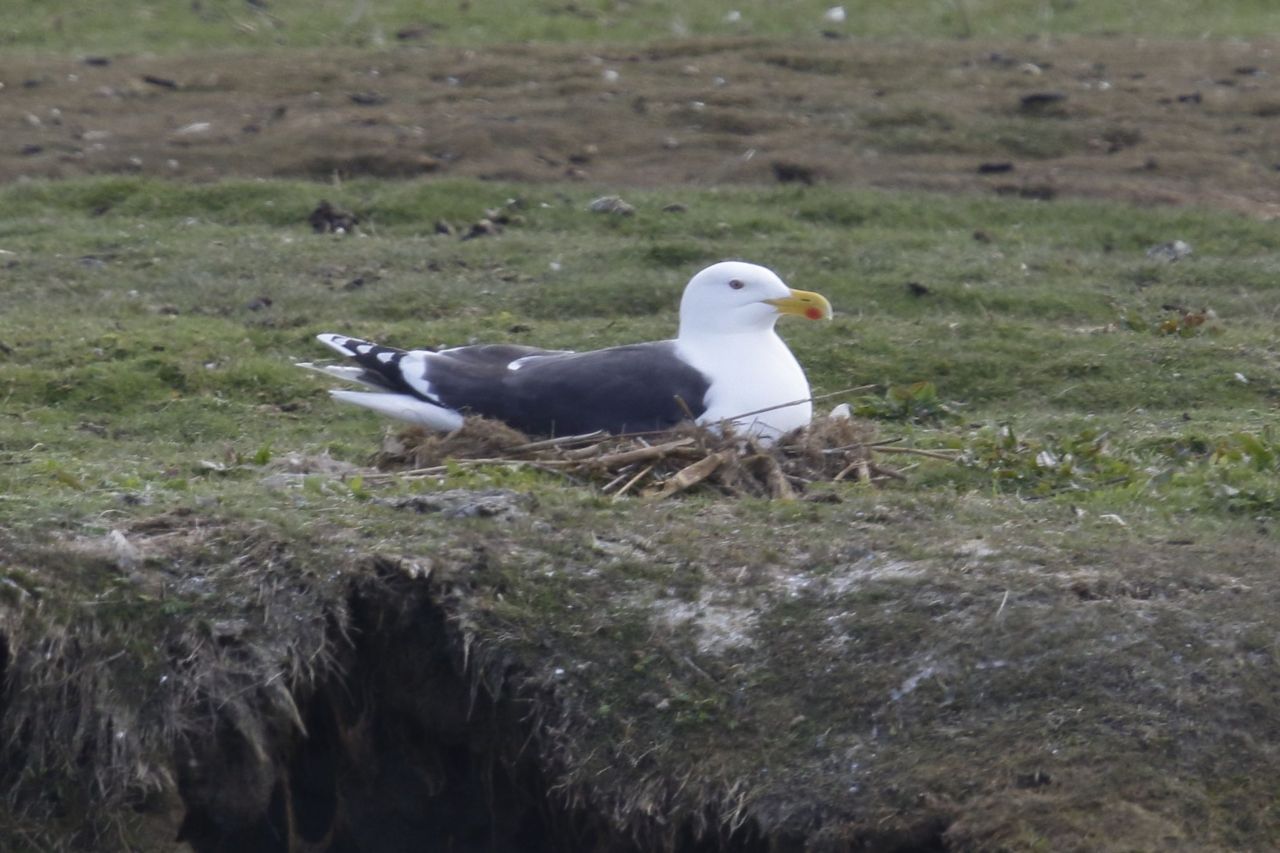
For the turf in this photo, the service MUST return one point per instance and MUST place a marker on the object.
(168, 325)
(126, 25)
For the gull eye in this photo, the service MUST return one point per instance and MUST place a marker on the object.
(736, 284)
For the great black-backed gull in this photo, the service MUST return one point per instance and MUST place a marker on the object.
(726, 364)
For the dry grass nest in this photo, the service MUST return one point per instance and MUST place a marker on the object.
(663, 464)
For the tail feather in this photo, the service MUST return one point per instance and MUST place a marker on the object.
(348, 346)
(403, 407)
(380, 369)
(347, 374)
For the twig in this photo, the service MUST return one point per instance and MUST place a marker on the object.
(609, 486)
(640, 454)
(417, 473)
(559, 442)
(692, 475)
(883, 472)
(684, 407)
(813, 399)
(584, 452)
(637, 478)
(779, 488)
(944, 455)
(847, 470)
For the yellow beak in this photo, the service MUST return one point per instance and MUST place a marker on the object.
(803, 303)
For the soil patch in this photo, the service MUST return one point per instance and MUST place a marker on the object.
(688, 680)
(1122, 118)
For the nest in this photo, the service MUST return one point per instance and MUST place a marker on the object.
(658, 465)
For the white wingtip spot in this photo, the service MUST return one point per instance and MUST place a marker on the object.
(386, 357)
(521, 362)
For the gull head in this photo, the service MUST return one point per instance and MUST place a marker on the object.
(734, 297)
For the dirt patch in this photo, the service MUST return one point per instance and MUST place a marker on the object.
(675, 679)
(159, 638)
(1123, 118)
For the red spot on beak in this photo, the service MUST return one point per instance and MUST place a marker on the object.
(813, 313)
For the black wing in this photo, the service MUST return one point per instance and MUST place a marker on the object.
(635, 388)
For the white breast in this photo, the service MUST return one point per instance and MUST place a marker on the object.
(749, 372)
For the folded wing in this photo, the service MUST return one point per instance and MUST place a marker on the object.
(633, 388)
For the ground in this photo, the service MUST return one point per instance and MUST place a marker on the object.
(219, 620)
(1154, 122)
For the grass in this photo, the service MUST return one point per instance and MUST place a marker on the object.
(132, 26)
(141, 336)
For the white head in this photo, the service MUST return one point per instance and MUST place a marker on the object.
(733, 297)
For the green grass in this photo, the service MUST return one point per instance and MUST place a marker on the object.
(129, 26)
(138, 347)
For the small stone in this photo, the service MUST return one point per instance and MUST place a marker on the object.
(792, 173)
(1039, 101)
(1173, 251)
(162, 82)
(328, 219)
(611, 204)
(482, 228)
(125, 552)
